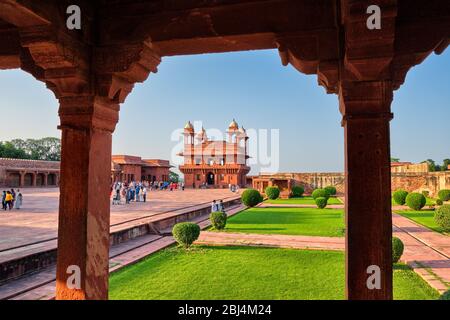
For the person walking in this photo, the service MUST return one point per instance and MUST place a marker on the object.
(144, 194)
(214, 206)
(9, 200)
(13, 193)
(4, 200)
(19, 200)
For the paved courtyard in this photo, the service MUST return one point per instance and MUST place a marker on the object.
(37, 220)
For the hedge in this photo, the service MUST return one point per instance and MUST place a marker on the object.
(416, 201)
(186, 233)
(400, 197)
(297, 191)
(320, 193)
(272, 193)
(251, 197)
(442, 217)
(397, 249)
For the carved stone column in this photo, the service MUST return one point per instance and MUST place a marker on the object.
(365, 107)
(46, 179)
(87, 123)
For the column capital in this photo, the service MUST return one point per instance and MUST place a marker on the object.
(88, 112)
(365, 100)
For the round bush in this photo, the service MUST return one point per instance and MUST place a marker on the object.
(331, 190)
(186, 233)
(416, 201)
(439, 202)
(297, 191)
(445, 295)
(400, 197)
(397, 249)
(218, 220)
(444, 195)
(320, 193)
(251, 197)
(272, 192)
(321, 202)
(442, 217)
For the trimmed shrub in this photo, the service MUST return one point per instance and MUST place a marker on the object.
(331, 190)
(320, 193)
(397, 249)
(272, 193)
(439, 202)
(416, 201)
(445, 295)
(321, 202)
(442, 217)
(186, 233)
(297, 191)
(444, 195)
(251, 197)
(400, 197)
(218, 220)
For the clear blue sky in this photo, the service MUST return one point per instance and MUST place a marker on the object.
(255, 89)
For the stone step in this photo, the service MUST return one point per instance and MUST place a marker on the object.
(48, 275)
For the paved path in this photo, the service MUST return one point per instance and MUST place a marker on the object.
(38, 218)
(291, 205)
(426, 251)
(271, 240)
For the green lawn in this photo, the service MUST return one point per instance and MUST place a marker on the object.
(209, 273)
(292, 221)
(302, 200)
(423, 217)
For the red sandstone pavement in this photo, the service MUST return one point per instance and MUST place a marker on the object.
(271, 240)
(38, 218)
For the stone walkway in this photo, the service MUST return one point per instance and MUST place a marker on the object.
(426, 251)
(271, 240)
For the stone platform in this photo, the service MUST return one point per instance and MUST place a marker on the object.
(37, 221)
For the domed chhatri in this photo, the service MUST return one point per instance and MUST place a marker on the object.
(189, 126)
(233, 125)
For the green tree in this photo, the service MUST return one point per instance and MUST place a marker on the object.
(37, 149)
(431, 165)
(174, 177)
(445, 164)
(395, 159)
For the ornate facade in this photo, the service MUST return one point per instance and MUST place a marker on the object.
(216, 164)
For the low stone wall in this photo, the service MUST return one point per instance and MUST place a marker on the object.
(411, 182)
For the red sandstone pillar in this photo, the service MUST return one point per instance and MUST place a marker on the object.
(22, 179)
(45, 179)
(87, 124)
(366, 114)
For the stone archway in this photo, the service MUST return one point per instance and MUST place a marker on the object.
(28, 180)
(51, 179)
(92, 72)
(14, 179)
(210, 179)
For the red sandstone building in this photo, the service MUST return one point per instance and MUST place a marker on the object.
(37, 173)
(215, 163)
(130, 168)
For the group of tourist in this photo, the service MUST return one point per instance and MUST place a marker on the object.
(137, 191)
(11, 199)
(217, 206)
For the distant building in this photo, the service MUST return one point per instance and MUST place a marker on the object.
(36, 173)
(215, 164)
(126, 168)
